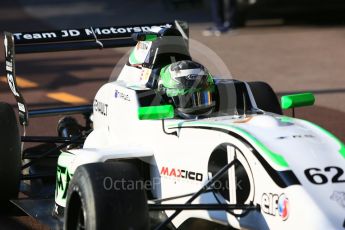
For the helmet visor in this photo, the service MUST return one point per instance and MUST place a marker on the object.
(194, 103)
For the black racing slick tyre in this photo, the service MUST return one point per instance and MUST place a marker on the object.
(10, 156)
(106, 196)
(265, 97)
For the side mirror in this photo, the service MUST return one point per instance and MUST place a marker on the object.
(156, 112)
(297, 100)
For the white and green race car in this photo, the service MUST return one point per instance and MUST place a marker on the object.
(138, 164)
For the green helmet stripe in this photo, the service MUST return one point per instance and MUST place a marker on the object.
(174, 89)
(166, 77)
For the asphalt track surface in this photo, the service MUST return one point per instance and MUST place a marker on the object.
(293, 54)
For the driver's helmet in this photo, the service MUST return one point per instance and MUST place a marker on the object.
(190, 86)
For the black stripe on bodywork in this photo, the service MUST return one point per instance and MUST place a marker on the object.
(283, 179)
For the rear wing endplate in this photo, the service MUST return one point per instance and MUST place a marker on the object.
(67, 40)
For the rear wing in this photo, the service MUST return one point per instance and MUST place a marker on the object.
(67, 40)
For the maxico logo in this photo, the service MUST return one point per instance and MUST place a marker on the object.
(274, 204)
(181, 173)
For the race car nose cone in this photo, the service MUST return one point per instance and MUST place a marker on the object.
(266, 121)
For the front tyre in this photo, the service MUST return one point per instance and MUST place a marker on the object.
(102, 196)
(10, 156)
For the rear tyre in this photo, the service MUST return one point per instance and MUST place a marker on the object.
(100, 196)
(265, 97)
(10, 156)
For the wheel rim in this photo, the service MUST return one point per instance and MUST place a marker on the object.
(76, 217)
(81, 219)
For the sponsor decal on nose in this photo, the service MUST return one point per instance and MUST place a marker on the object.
(276, 205)
(283, 207)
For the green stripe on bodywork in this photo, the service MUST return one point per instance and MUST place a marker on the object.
(156, 112)
(275, 157)
(331, 135)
